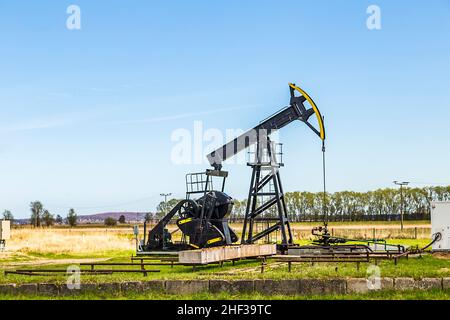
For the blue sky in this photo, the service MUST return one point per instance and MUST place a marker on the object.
(86, 116)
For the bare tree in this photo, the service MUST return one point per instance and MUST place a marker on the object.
(72, 218)
(36, 213)
(48, 218)
(7, 215)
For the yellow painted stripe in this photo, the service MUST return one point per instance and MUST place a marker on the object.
(193, 245)
(316, 110)
(214, 240)
(185, 221)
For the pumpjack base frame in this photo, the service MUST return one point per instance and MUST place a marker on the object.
(265, 173)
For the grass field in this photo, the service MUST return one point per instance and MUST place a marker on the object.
(427, 266)
(70, 241)
(61, 247)
(86, 240)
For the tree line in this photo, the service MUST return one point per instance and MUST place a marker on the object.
(41, 217)
(378, 205)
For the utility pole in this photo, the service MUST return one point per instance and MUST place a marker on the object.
(165, 195)
(401, 184)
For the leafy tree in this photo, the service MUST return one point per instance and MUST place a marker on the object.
(164, 207)
(110, 222)
(36, 212)
(381, 204)
(72, 218)
(7, 215)
(59, 219)
(48, 218)
(148, 216)
(122, 219)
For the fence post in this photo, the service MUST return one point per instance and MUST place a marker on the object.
(415, 232)
(373, 233)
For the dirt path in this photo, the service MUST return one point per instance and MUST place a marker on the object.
(442, 255)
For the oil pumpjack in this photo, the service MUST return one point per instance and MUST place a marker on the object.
(204, 221)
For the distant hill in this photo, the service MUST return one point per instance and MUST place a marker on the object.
(100, 217)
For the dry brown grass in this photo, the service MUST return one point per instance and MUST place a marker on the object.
(70, 241)
(370, 233)
(96, 240)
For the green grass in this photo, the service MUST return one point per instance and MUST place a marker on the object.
(376, 295)
(105, 254)
(416, 267)
(423, 266)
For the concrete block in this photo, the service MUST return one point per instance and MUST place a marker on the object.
(359, 285)
(404, 283)
(50, 289)
(335, 286)
(429, 283)
(65, 291)
(255, 250)
(27, 288)
(273, 287)
(7, 289)
(202, 256)
(232, 253)
(112, 287)
(153, 286)
(131, 286)
(217, 254)
(380, 284)
(237, 286)
(446, 283)
(84, 287)
(186, 286)
(387, 284)
(312, 286)
(88, 287)
(5, 229)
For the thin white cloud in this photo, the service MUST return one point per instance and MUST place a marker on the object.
(100, 90)
(42, 123)
(180, 116)
(35, 124)
(59, 94)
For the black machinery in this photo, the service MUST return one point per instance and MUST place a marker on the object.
(266, 190)
(203, 221)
